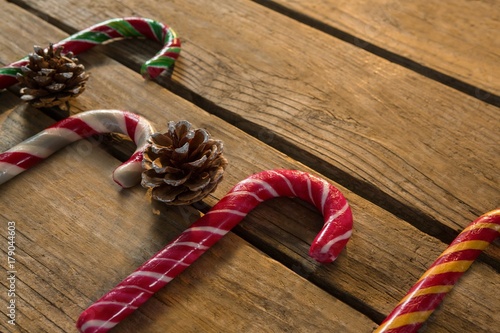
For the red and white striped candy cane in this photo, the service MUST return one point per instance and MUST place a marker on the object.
(426, 295)
(110, 30)
(139, 286)
(38, 147)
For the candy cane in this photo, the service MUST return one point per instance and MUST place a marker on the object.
(138, 287)
(424, 297)
(108, 31)
(35, 149)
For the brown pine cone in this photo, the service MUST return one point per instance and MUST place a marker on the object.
(183, 165)
(50, 78)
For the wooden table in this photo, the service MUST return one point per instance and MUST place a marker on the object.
(396, 104)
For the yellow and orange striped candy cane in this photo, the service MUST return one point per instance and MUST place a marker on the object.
(425, 296)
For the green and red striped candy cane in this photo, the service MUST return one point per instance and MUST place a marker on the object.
(426, 295)
(114, 29)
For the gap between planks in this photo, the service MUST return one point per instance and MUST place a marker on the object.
(429, 72)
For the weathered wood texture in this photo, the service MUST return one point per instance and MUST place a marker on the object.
(455, 38)
(414, 146)
(67, 209)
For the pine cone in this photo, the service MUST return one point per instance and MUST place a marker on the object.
(50, 78)
(183, 165)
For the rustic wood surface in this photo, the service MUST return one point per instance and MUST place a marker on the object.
(416, 159)
(455, 39)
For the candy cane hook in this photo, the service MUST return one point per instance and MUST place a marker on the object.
(425, 296)
(138, 287)
(84, 124)
(111, 30)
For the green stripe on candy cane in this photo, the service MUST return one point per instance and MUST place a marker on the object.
(158, 31)
(89, 36)
(161, 63)
(11, 70)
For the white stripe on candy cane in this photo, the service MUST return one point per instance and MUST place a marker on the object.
(212, 230)
(154, 275)
(227, 211)
(326, 248)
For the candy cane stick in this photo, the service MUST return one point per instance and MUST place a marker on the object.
(35, 149)
(108, 31)
(138, 287)
(425, 296)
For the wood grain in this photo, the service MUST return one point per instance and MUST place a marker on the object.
(60, 259)
(455, 38)
(389, 134)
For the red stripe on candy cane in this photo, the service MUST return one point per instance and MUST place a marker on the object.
(164, 266)
(75, 125)
(144, 28)
(20, 159)
(131, 121)
(112, 33)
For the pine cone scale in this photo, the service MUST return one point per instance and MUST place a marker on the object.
(175, 179)
(181, 153)
(55, 87)
(198, 183)
(62, 77)
(42, 81)
(196, 164)
(199, 139)
(166, 194)
(149, 179)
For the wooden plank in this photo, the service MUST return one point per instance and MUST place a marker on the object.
(360, 277)
(353, 116)
(455, 38)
